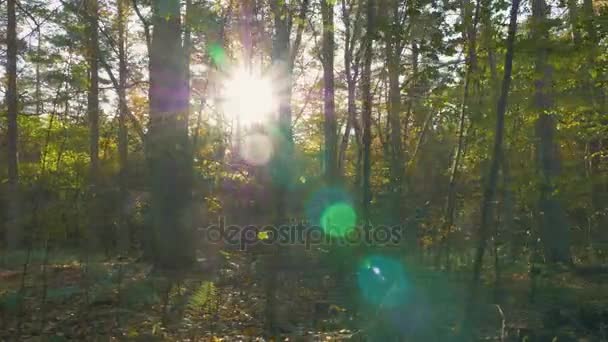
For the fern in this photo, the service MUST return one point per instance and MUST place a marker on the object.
(204, 300)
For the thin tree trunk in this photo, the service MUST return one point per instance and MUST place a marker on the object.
(393, 54)
(91, 16)
(553, 227)
(508, 205)
(412, 99)
(329, 106)
(351, 69)
(13, 231)
(599, 181)
(367, 110)
(470, 35)
(187, 55)
(414, 156)
(573, 19)
(490, 188)
(488, 41)
(123, 143)
(38, 94)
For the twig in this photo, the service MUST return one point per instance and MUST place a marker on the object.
(503, 323)
(21, 292)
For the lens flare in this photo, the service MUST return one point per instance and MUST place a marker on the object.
(257, 149)
(248, 97)
(217, 54)
(331, 208)
(338, 219)
(382, 282)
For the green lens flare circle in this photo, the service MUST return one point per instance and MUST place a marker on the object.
(383, 282)
(339, 219)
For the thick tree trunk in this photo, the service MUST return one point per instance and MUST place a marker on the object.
(367, 110)
(167, 143)
(329, 106)
(553, 225)
(13, 231)
(123, 143)
(281, 57)
(490, 188)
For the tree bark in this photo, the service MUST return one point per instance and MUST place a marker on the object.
(329, 106)
(351, 69)
(553, 226)
(470, 35)
(490, 188)
(91, 16)
(13, 232)
(573, 19)
(123, 143)
(281, 57)
(367, 110)
(393, 58)
(167, 143)
(597, 97)
(187, 55)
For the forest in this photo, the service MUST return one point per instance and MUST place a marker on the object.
(304, 170)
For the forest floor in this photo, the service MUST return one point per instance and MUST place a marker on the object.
(126, 300)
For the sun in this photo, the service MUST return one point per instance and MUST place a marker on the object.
(249, 97)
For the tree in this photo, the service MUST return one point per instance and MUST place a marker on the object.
(394, 47)
(123, 138)
(352, 58)
(490, 188)
(167, 143)
(92, 57)
(366, 89)
(553, 222)
(283, 58)
(470, 36)
(330, 126)
(13, 233)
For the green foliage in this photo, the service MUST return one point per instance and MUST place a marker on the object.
(205, 300)
(141, 293)
(61, 294)
(9, 301)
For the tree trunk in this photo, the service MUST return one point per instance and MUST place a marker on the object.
(284, 142)
(187, 54)
(167, 145)
(13, 231)
(367, 110)
(553, 226)
(393, 58)
(470, 35)
(329, 106)
(93, 118)
(599, 181)
(38, 93)
(573, 19)
(490, 188)
(123, 142)
(351, 69)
